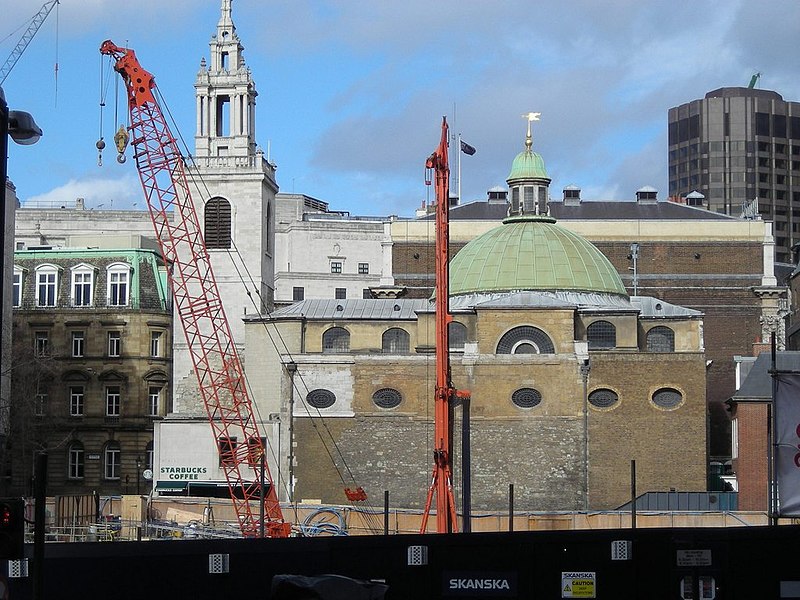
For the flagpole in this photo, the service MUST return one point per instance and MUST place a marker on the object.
(459, 168)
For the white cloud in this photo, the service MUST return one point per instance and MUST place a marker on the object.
(103, 194)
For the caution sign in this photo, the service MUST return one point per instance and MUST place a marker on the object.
(578, 584)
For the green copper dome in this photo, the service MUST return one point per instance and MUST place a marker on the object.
(530, 253)
(527, 165)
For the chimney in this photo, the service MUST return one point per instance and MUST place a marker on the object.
(761, 347)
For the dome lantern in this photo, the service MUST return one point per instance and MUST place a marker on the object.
(528, 182)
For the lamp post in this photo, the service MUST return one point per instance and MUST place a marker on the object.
(21, 127)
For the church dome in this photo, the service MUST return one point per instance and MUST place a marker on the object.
(527, 165)
(532, 253)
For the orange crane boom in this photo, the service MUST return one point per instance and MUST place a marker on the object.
(445, 394)
(216, 363)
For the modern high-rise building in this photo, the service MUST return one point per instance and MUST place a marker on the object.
(740, 148)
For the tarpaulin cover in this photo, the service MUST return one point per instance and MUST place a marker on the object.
(325, 587)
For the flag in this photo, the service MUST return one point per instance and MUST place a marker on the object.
(787, 440)
(466, 148)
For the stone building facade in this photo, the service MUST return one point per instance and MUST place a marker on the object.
(719, 265)
(571, 378)
(527, 410)
(91, 367)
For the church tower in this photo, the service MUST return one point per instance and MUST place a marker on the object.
(233, 187)
(226, 97)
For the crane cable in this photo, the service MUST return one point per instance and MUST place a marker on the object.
(55, 72)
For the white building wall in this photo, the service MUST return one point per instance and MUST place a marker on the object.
(305, 250)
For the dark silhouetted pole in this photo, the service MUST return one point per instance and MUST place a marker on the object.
(40, 497)
(385, 512)
(511, 507)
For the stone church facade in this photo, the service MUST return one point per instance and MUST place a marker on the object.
(571, 378)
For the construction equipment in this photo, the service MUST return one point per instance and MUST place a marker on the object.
(216, 363)
(26, 38)
(753, 80)
(445, 394)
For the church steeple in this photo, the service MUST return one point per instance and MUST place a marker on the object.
(226, 96)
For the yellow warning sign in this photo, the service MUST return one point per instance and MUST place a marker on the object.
(578, 584)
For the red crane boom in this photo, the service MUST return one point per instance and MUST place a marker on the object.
(445, 394)
(216, 363)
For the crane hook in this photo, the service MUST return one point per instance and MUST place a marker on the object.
(121, 140)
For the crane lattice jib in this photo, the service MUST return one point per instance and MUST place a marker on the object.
(197, 299)
(26, 38)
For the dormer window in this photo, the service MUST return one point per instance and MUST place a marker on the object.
(119, 284)
(82, 287)
(46, 285)
(16, 288)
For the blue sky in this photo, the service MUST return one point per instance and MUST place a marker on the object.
(351, 93)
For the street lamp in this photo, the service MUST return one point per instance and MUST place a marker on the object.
(138, 475)
(21, 127)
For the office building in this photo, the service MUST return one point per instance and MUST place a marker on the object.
(740, 148)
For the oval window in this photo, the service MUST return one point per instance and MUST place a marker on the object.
(321, 398)
(526, 397)
(667, 398)
(387, 398)
(603, 398)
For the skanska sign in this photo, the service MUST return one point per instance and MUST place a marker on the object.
(480, 584)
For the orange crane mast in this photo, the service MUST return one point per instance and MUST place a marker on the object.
(216, 363)
(445, 394)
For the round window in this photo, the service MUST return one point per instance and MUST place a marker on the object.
(387, 398)
(667, 398)
(526, 397)
(321, 398)
(603, 398)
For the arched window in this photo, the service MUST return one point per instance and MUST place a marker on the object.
(603, 398)
(395, 341)
(75, 460)
(46, 285)
(16, 293)
(82, 285)
(457, 333)
(118, 281)
(601, 335)
(525, 340)
(661, 339)
(336, 340)
(217, 229)
(112, 461)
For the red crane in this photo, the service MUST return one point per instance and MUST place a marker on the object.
(216, 363)
(445, 394)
